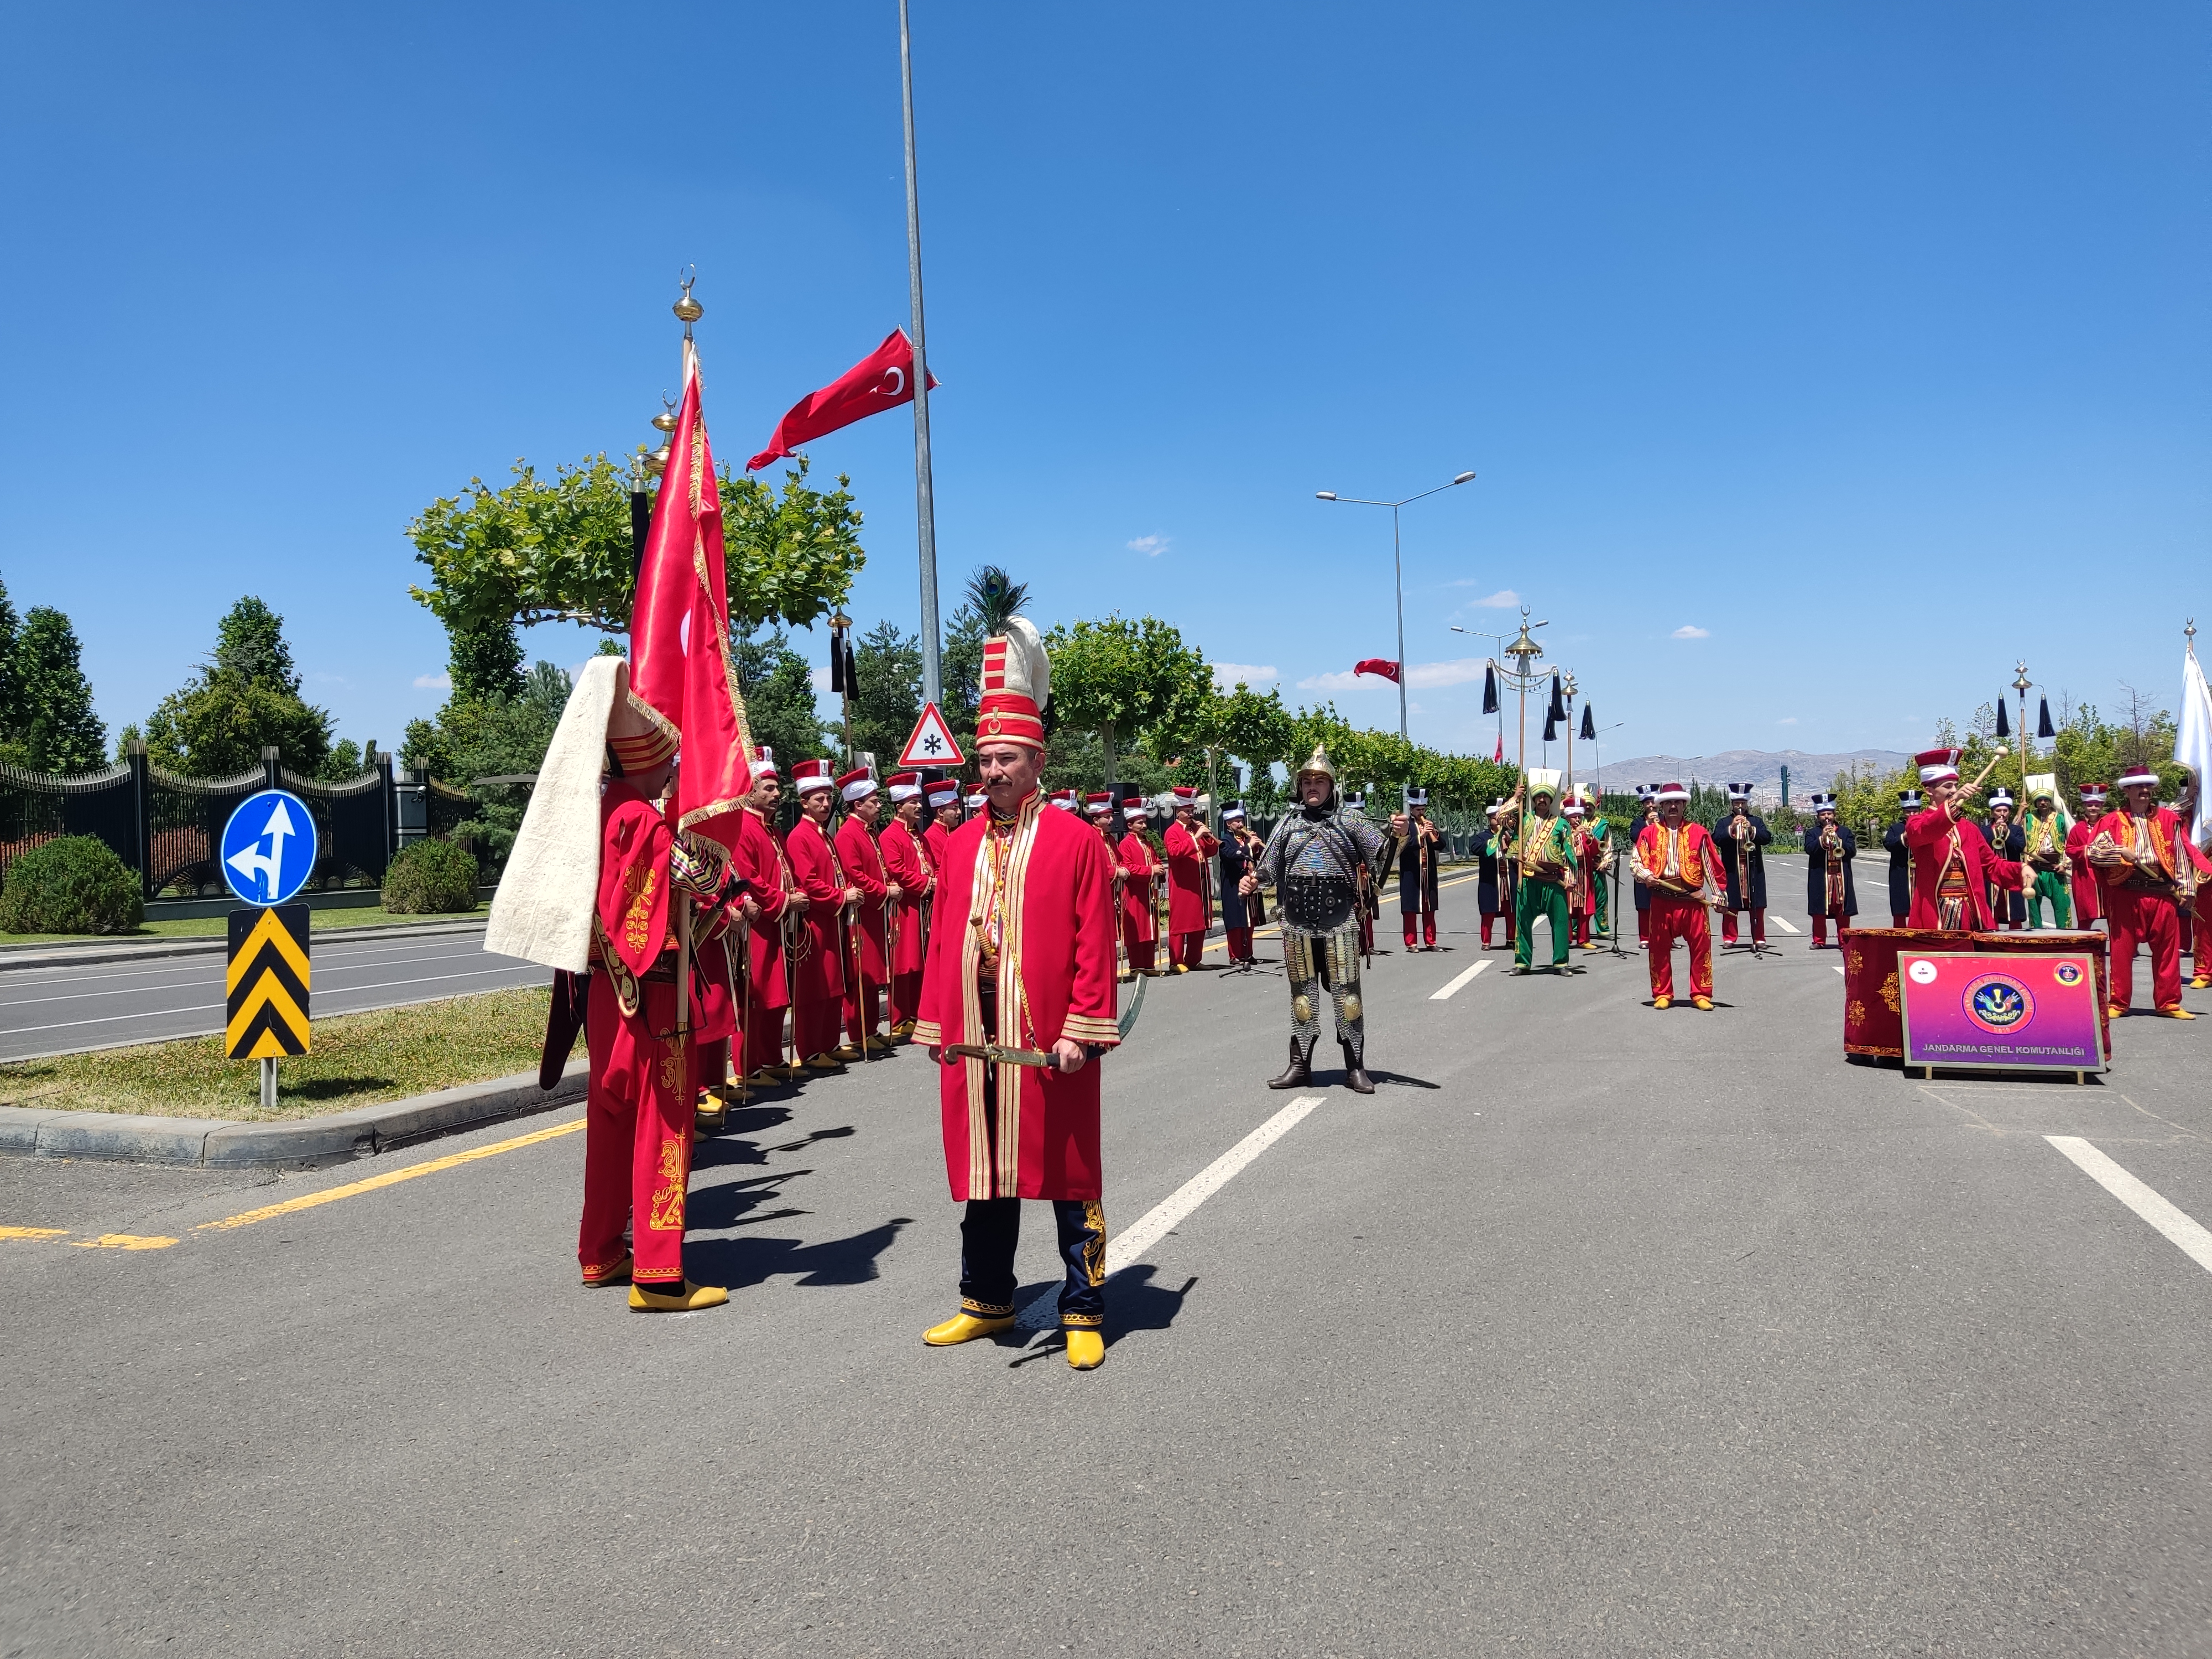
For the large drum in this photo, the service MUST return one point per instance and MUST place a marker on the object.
(1873, 1021)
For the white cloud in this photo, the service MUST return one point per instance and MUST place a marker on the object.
(1152, 546)
(1227, 674)
(1790, 721)
(1692, 631)
(819, 679)
(1504, 600)
(434, 682)
(1347, 681)
(1458, 671)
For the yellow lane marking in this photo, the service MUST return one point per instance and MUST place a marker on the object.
(307, 1201)
(122, 1242)
(34, 1234)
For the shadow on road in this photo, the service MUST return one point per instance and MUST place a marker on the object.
(736, 1262)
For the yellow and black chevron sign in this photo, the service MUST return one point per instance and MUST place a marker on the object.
(268, 983)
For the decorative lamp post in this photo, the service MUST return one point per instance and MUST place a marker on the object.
(1397, 566)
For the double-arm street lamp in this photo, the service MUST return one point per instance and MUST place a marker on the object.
(1398, 568)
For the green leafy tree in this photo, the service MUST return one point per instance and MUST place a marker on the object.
(778, 685)
(1128, 682)
(51, 725)
(560, 549)
(887, 670)
(477, 739)
(248, 697)
(991, 598)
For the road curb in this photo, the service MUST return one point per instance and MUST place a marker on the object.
(305, 1143)
(16, 957)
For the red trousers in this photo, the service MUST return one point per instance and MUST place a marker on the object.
(1896, 920)
(1670, 919)
(906, 996)
(1366, 934)
(1141, 952)
(1582, 927)
(764, 1034)
(1643, 926)
(1757, 927)
(1428, 919)
(1189, 948)
(815, 1025)
(2151, 918)
(1240, 944)
(2202, 950)
(637, 1135)
(1820, 925)
(864, 1006)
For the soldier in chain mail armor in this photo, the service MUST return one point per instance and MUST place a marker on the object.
(1314, 860)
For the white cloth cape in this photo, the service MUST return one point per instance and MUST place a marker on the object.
(542, 911)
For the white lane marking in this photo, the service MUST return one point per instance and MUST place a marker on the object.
(1839, 967)
(323, 948)
(1043, 1308)
(2195, 1241)
(1452, 989)
(1784, 924)
(203, 1007)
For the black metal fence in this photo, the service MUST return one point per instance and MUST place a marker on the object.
(169, 828)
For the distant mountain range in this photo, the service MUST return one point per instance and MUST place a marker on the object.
(1759, 767)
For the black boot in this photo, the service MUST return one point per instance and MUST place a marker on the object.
(1300, 1071)
(1355, 1074)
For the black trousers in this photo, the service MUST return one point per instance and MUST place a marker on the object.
(991, 1228)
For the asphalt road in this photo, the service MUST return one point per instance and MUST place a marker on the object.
(1595, 1331)
(55, 1009)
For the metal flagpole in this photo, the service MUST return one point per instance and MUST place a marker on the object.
(932, 682)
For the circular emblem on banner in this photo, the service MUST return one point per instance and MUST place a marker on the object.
(1998, 1003)
(1922, 973)
(2067, 973)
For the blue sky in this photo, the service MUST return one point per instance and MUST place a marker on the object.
(1816, 362)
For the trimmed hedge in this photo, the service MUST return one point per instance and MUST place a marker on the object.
(431, 878)
(72, 884)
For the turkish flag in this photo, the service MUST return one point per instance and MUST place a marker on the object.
(882, 379)
(680, 670)
(1382, 666)
(1499, 753)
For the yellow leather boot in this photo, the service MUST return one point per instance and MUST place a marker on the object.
(642, 1300)
(1086, 1348)
(964, 1326)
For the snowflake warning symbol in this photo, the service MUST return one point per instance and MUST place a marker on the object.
(931, 743)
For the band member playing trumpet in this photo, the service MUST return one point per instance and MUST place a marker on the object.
(1743, 870)
(1677, 863)
(1830, 894)
(1418, 839)
(1240, 903)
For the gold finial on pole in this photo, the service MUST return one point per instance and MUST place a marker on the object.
(687, 310)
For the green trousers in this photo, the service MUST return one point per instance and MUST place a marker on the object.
(1531, 899)
(2050, 884)
(1599, 926)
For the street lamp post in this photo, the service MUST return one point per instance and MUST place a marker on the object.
(1397, 567)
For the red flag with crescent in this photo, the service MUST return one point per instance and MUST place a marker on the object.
(680, 673)
(882, 379)
(1378, 665)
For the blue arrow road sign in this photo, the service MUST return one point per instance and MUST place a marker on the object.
(268, 848)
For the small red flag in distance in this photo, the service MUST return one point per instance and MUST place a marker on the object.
(1378, 665)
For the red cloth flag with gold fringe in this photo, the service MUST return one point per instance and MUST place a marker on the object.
(681, 674)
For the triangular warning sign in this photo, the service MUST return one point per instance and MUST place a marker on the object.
(932, 743)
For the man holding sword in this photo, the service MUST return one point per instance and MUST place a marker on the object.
(1017, 1002)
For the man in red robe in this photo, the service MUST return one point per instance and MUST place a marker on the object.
(638, 1107)
(945, 816)
(759, 856)
(819, 970)
(1017, 1006)
(866, 960)
(1145, 860)
(2141, 854)
(911, 873)
(2086, 906)
(1678, 863)
(1190, 850)
(1953, 866)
